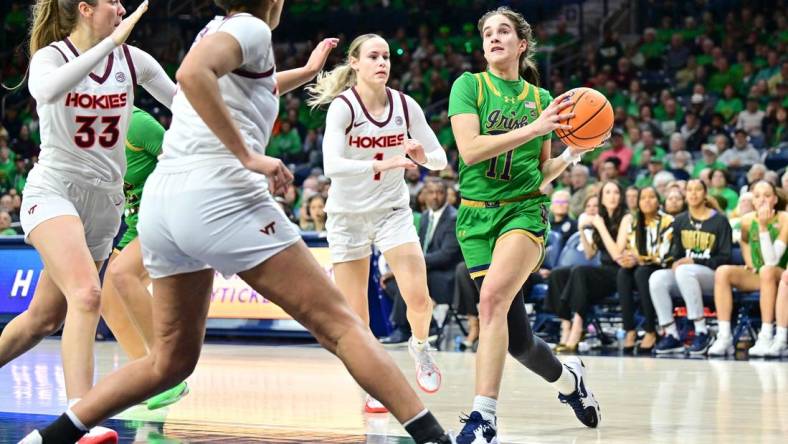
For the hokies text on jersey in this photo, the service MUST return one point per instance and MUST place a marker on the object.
(391, 141)
(91, 101)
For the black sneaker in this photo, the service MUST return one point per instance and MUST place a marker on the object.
(669, 344)
(581, 400)
(700, 344)
(477, 430)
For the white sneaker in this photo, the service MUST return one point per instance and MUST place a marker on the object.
(32, 438)
(762, 345)
(776, 350)
(428, 375)
(372, 405)
(722, 346)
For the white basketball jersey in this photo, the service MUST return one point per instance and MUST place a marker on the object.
(250, 93)
(83, 133)
(367, 138)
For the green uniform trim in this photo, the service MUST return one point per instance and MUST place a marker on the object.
(143, 146)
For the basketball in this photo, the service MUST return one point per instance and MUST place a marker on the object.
(592, 122)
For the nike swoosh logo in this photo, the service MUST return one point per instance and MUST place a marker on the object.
(356, 125)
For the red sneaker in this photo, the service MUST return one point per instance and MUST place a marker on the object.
(372, 405)
(99, 435)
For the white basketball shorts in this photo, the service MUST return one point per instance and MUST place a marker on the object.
(351, 235)
(214, 216)
(49, 194)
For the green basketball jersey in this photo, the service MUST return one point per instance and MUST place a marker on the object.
(755, 242)
(143, 146)
(502, 105)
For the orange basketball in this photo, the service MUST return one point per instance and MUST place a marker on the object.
(593, 119)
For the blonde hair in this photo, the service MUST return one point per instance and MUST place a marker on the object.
(330, 84)
(53, 20)
(524, 31)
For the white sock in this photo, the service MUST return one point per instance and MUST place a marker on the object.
(700, 326)
(767, 330)
(34, 438)
(418, 415)
(418, 344)
(566, 384)
(725, 328)
(486, 406)
(782, 332)
(672, 330)
(76, 421)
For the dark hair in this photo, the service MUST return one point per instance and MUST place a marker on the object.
(238, 5)
(705, 188)
(640, 224)
(612, 221)
(436, 181)
(524, 31)
(309, 202)
(724, 175)
(614, 160)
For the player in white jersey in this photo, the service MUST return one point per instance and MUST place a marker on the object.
(82, 77)
(207, 206)
(364, 152)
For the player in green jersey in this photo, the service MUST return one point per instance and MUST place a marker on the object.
(503, 125)
(125, 300)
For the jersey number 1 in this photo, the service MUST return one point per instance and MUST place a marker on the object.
(86, 135)
(492, 172)
(378, 156)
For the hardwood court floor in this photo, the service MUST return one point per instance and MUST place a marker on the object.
(255, 393)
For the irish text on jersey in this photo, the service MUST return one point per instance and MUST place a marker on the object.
(394, 140)
(91, 101)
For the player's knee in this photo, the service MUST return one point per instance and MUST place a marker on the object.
(330, 327)
(683, 273)
(170, 368)
(118, 275)
(770, 273)
(723, 275)
(45, 323)
(492, 304)
(86, 298)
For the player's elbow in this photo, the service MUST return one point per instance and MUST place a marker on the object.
(468, 156)
(41, 96)
(189, 78)
(185, 77)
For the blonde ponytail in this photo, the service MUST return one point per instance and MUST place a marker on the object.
(53, 20)
(330, 84)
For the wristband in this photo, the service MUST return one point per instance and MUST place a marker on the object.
(570, 158)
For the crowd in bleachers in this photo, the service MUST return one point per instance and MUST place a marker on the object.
(702, 92)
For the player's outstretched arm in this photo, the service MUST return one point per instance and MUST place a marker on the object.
(51, 76)
(294, 78)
